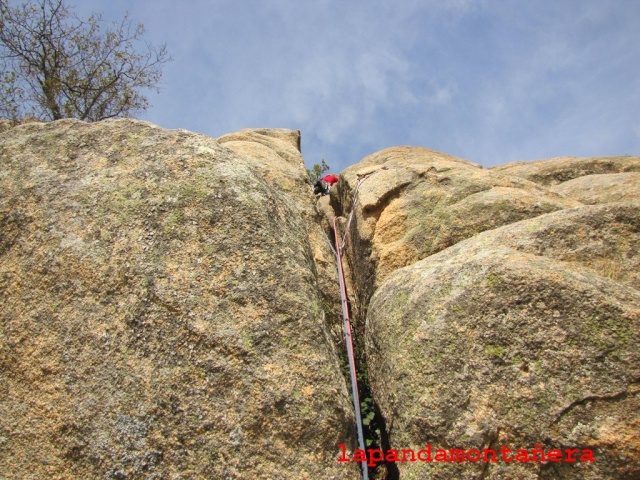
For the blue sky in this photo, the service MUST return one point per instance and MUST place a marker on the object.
(491, 81)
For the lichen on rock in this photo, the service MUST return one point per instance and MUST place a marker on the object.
(502, 308)
(484, 345)
(162, 315)
(170, 308)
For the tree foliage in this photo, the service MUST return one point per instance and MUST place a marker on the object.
(55, 65)
(316, 171)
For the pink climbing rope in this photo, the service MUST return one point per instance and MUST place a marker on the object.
(350, 353)
(347, 321)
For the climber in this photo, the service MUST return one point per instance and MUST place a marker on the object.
(323, 185)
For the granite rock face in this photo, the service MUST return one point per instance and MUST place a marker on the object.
(162, 315)
(502, 308)
(416, 202)
(170, 308)
(554, 171)
(275, 153)
(519, 336)
(602, 188)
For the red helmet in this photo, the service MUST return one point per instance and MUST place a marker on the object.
(330, 179)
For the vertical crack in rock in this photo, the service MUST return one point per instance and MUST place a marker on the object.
(513, 319)
(359, 276)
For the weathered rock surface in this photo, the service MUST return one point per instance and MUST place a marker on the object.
(161, 313)
(601, 188)
(417, 202)
(515, 319)
(275, 153)
(170, 304)
(562, 169)
(516, 337)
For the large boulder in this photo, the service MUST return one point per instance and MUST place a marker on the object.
(601, 188)
(554, 171)
(161, 309)
(275, 154)
(415, 202)
(523, 337)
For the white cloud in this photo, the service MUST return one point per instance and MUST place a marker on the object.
(488, 81)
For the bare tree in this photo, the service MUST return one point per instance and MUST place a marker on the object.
(55, 65)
